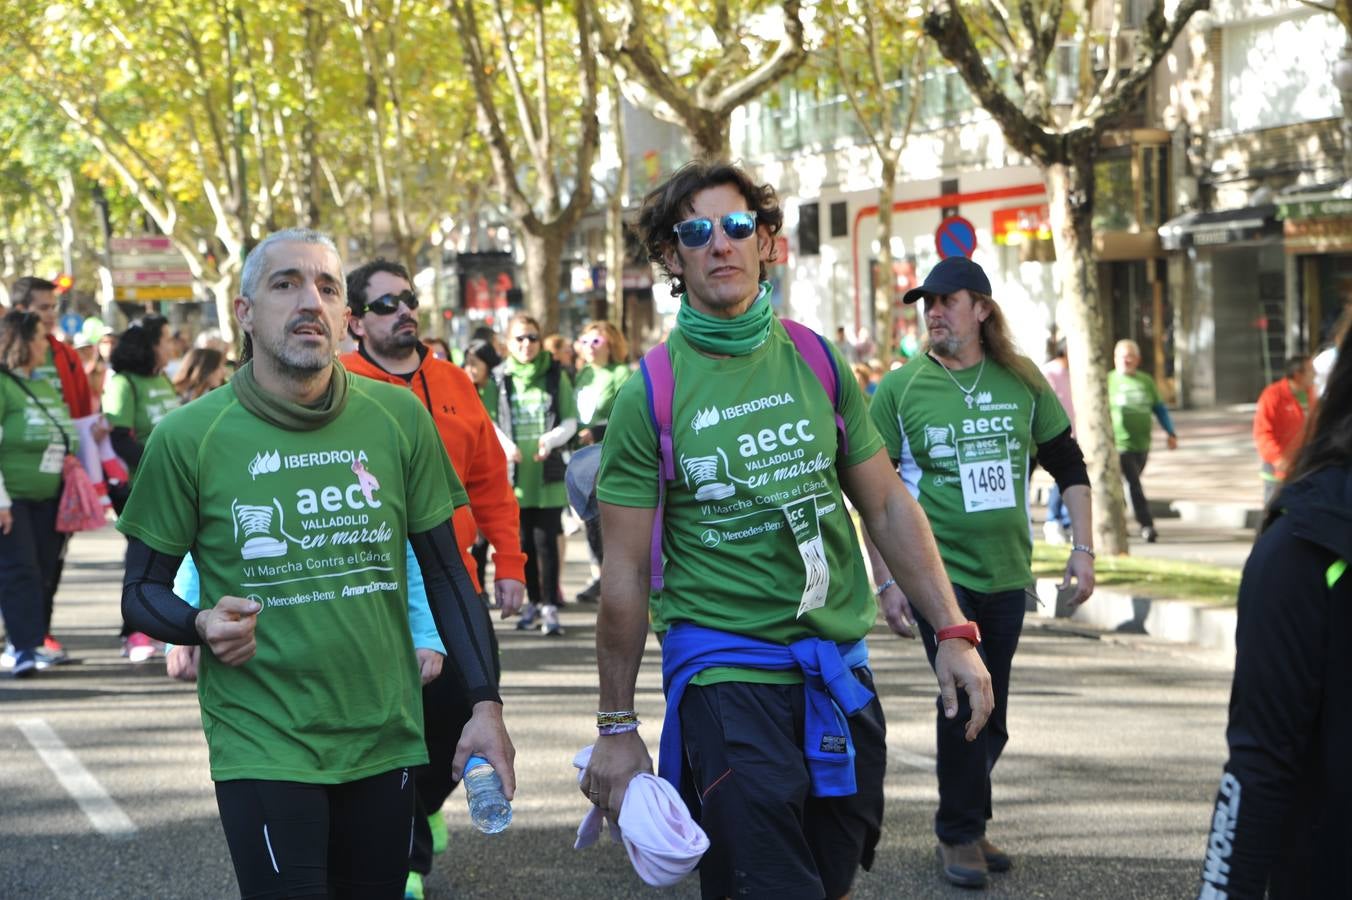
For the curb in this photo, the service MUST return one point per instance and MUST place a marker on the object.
(1176, 621)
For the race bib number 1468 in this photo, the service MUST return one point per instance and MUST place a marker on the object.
(986, 473)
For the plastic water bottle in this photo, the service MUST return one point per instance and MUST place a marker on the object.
(489, 809)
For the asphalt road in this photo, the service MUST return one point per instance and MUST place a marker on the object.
(1104, 791)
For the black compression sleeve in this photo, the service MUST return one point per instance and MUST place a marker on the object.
(1064, 461)
(465, 631)
(149, 603)
(127, 447)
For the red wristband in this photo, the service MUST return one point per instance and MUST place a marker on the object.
(967, 631)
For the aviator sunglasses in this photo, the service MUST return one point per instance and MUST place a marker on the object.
(695, 233)
(386, 304)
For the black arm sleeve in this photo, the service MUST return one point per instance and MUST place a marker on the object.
(1281, 653)
(465, 631)
(1064, 461)
(127, 447)
(149, 603)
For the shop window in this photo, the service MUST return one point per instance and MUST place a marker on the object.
(840, 219)
(809, 229)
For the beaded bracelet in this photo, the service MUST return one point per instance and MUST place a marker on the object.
(618, 717)
(619, 728)
(884, 586)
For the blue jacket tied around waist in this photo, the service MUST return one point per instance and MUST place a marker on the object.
(831, 690)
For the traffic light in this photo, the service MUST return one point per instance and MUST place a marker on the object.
(448, 314)
(64, 283)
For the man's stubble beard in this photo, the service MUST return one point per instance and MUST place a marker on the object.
(299, 363)
(398, 345)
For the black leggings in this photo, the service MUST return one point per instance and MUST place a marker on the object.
(540, 530)
(480, 553)
(289, 839)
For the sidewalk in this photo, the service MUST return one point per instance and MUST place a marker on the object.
(1206, 497)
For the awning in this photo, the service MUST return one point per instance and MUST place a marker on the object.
(1294, 206)
(1227, 226)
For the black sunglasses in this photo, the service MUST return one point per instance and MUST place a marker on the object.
(386, 304)
(695, 233)
(529, 338)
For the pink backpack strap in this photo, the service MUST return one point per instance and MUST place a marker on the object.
(812, 347)
(661, 388)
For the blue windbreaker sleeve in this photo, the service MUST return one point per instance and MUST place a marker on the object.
(1162, 413)
(420, 620)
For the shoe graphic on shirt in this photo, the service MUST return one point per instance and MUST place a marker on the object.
(256, 524)
(701, 473)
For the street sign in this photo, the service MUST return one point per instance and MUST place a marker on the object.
(955, 236)
(130, 277)
(154, 292)
(151, 243)
(70, 323)
(149, 267)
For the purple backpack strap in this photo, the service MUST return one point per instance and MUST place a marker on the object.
(661, 387)
(812, 347)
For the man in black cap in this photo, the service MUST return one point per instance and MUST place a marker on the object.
(960, 421)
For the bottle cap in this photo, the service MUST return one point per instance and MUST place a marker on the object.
(475, 760)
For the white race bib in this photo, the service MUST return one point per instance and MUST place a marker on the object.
(52, 459)
(986, 474)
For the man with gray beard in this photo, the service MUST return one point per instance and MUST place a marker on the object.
(296, 487)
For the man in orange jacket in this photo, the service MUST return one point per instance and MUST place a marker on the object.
(384, 321)
(1279, 422)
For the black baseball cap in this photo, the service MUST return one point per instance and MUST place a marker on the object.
(957, 273)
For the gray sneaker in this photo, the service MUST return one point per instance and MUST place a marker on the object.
(964, 864)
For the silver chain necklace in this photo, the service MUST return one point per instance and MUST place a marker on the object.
(967, 392)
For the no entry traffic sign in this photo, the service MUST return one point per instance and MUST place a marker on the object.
(955, 236)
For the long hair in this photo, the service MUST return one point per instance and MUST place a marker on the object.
(670, 203)
(17, 330)
(998, 344)
(196, 370)
(1328, 433)
(135, 350)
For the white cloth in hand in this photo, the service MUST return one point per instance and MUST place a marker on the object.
(663, 842)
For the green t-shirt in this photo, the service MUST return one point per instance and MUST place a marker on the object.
(138, 402)
(756, 535)
(967, 464)
(47, 370)
(597, 388)
(312, 524)
(531, 418)
(1131, 399)
(31, 449)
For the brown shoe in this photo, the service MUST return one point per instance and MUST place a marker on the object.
(964, 864)
(997, 860)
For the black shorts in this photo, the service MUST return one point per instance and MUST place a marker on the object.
(746, 782)
(290, 839)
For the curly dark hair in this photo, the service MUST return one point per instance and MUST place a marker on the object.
(671, 202)
(135, 349)
(360, 277)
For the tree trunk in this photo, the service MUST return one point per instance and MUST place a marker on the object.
(883, 284)
(225, 304)
(1343, 79)
(709, 139)
(1070, 204)
(615, 218)
(544, 269)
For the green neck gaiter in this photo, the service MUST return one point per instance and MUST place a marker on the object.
(728, 337)
(283, 413)
(528, 370)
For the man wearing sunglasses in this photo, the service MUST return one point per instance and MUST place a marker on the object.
(764, 587)
(297, 487)
(384, 321)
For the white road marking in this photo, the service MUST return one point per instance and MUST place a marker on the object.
(103, 812)
(914, 760)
